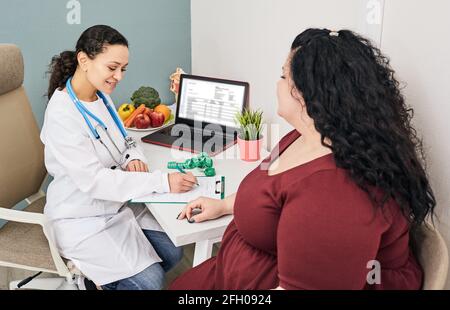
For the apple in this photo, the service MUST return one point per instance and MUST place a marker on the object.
(157, 119)
(148, 111)
(142, 121)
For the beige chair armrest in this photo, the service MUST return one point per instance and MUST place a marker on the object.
(39, 219)
(22, 216)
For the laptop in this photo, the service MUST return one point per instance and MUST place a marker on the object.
(205, 115)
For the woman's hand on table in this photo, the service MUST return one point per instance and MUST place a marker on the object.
(210, 209)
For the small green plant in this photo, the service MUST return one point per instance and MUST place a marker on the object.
(249, 124)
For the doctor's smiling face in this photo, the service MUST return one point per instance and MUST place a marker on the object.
(98, 62)
(106, 69)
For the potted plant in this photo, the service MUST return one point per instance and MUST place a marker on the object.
(249, 137)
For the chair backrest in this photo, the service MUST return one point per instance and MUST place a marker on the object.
(432, 253)
(22, 168)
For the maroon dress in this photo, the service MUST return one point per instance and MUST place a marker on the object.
(310, 227)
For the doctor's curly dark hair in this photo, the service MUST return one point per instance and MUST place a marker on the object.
(352, 95)
(92, 41)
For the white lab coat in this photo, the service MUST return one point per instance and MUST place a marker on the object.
(85, 201)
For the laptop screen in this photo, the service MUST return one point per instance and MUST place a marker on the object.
(211, 100)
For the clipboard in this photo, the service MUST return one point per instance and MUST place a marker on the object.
(211, 187)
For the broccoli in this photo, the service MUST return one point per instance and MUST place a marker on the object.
(146, 95)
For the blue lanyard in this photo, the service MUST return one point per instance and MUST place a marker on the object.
(83, 110)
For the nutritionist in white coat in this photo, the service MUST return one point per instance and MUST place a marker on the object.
(96, 168)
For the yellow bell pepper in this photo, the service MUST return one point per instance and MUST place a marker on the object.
(125, 110)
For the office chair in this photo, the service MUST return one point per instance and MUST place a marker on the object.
(432, 254)
(24, 242)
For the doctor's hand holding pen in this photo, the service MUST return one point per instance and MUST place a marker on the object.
(178, 182)
(181, 182)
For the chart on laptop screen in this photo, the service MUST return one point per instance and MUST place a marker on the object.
(211, 101)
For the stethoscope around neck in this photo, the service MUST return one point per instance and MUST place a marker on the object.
(129, 141)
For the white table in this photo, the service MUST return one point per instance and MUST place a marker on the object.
(204, 234)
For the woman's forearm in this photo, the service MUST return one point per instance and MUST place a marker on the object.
(229, 204)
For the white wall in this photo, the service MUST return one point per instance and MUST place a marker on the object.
(249, 39)
(416, 36)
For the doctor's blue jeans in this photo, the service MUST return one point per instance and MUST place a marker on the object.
(152, 278)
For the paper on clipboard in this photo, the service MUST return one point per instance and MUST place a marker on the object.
(212, 187)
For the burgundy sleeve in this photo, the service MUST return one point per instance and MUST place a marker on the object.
(326, 235)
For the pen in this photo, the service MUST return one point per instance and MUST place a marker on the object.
(184, 172)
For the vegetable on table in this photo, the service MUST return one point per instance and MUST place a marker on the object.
(125, 110)
(130, 119)
(146, 95)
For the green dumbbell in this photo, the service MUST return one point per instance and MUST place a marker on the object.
(210, 172)
(202, 161)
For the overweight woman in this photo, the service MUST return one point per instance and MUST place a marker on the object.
(343, 189)
(96, 168)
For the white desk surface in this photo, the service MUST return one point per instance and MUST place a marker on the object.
(227, 163)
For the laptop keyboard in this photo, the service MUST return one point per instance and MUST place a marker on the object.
(198, 141)
(195, 132)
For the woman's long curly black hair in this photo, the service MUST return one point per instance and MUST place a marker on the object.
(354, 99)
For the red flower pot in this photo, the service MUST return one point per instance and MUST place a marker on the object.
(250, 150)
